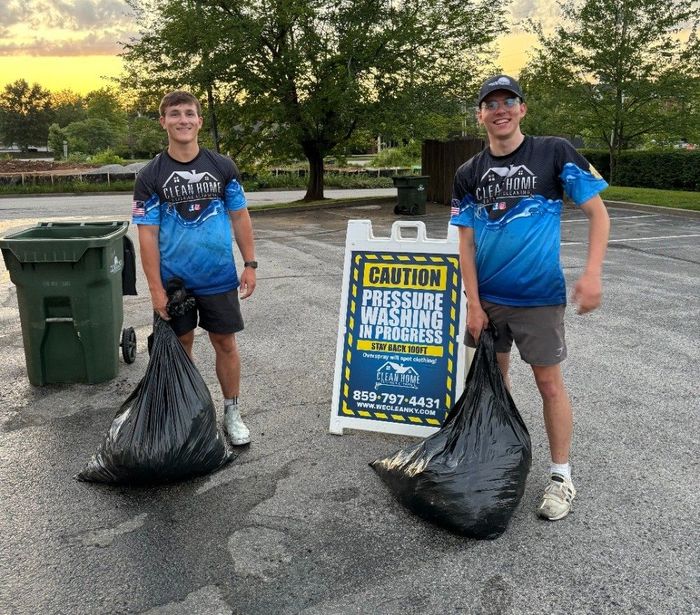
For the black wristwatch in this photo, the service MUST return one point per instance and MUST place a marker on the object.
(251, 264)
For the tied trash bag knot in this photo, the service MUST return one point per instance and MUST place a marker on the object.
(179, 299)
(470, 475)
(166, 430)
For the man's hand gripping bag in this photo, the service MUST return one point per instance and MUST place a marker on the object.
(470, 475)
(166, 430)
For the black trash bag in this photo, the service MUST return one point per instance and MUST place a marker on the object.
(166, 430)
(470, 475)
(129, 269)
(179, 303)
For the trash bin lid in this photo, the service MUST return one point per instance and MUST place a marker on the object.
(49, 242)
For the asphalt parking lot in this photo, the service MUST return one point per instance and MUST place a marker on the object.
(299, 523)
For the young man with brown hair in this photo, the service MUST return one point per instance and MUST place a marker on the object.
(186, 201)
(507, 202)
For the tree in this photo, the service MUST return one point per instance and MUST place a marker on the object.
(90, 136)
(616, 70)
(300, 77)
(57, 136)
(68, 106)
(25, 114)
(144, 138)
(105, 104)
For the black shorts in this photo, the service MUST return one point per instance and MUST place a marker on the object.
(216, 313)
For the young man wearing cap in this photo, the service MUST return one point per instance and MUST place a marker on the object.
(507, 203)
(186, 201)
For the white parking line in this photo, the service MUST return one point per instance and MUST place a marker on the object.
(582, 243)
(613, 218)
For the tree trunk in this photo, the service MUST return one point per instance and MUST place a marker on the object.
(314, 188)
(613, 164)
(212, 112)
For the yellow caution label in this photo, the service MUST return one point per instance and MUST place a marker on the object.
(400, 275)
(418, 349)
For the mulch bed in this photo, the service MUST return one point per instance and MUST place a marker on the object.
(43, 166)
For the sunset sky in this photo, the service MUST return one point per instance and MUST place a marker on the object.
(73, 44)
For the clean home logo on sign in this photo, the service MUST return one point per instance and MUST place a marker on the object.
(396, 375)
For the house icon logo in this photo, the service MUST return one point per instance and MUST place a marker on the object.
(392, 374)
(189, 177)
(190, 186)
(503, 173)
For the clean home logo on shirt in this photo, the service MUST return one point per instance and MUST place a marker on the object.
(182, 186)
(504, 182)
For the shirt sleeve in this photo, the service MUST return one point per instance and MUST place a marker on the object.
(145, 207)
(463, 203)
(580, 179)
(234, 196)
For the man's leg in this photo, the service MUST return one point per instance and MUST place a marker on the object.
(503, 359)
(558, 420)
(228, 363)
(228, 372)
(187, 341)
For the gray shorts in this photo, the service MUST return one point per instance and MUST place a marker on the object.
(216, 314)
(538, 332)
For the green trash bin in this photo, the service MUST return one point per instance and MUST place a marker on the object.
(412, 194)
(69, 293)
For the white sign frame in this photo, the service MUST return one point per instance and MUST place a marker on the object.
(360, 238)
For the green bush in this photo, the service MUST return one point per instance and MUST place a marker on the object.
(262, 181)
(290, 181)
(404, 156)
(676, 170)
(333, 180)
(77, 157)
(661, 169)
(90, 136)
(107, 156)
(68, 187)
(268, 181)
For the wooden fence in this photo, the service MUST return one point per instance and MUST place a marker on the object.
(440, 160)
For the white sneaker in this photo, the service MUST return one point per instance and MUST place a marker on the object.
(557, 499)
(235, 427)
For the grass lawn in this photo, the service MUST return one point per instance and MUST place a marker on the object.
(677, 199)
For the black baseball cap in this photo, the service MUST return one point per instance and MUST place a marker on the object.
(499, 82)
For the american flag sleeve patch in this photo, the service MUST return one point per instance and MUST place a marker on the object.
(138, 209)
(454, 207)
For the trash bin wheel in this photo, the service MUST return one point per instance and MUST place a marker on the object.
(397, 209)
(128, 345)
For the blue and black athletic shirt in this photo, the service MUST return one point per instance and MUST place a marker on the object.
(190, 202)
(514, 205)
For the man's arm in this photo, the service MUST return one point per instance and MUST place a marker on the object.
(588, 290)
(477, 320)
(150, 261)
(243, 232)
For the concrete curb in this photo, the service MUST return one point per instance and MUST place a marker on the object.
(327, 204)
